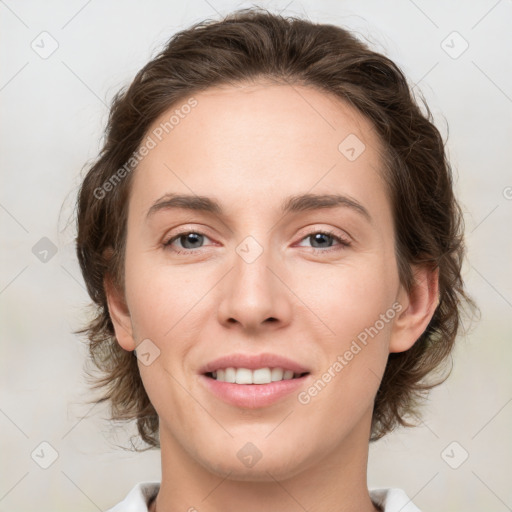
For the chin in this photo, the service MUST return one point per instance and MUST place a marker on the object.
(265, 468)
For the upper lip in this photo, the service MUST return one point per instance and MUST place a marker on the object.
(253, 362)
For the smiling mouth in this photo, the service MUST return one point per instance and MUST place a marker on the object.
(260, 377)
(253, 389)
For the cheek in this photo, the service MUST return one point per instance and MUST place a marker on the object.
(358, 306)
(361, 317)
(350, 298)
(158, 295)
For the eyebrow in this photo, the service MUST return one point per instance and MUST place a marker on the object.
(292, 204)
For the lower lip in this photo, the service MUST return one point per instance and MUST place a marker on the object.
(253, 396)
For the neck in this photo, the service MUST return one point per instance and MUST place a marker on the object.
(327, 482)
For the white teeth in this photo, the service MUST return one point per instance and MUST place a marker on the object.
(277, 374)
(246, 376)
(262, 376)
(230, 375)
(288, 374)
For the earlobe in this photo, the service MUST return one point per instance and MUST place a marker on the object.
(419, 306)
(119, 314)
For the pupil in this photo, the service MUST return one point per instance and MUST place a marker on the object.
(318, 237)
(190, 237)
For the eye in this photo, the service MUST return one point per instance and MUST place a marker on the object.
(322, 237)
(189, 240)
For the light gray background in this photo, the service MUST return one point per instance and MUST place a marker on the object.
(53, 113)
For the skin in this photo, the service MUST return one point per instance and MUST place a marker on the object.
(250, 147)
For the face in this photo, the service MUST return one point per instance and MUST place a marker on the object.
(315, 283)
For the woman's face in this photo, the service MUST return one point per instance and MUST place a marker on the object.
(256, 276)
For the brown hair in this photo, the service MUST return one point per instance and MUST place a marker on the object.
(252, 44)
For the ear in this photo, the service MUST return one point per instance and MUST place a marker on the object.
(119, 314)
(418, 306)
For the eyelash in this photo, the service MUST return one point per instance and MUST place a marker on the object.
(343, 243)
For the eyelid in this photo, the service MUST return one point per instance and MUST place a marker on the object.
(344, 240)
(184, 231)
(331, 231)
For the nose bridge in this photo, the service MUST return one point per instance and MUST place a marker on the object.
(253, 292)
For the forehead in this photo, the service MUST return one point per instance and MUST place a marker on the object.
(251, 143)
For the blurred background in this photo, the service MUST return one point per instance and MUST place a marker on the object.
(61, 63)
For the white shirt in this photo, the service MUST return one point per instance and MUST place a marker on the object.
(137, 500)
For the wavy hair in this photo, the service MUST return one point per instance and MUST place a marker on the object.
(248, 45)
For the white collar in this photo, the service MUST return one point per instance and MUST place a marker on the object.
(137, 500)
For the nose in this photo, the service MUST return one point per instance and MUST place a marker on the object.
(254, 294)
